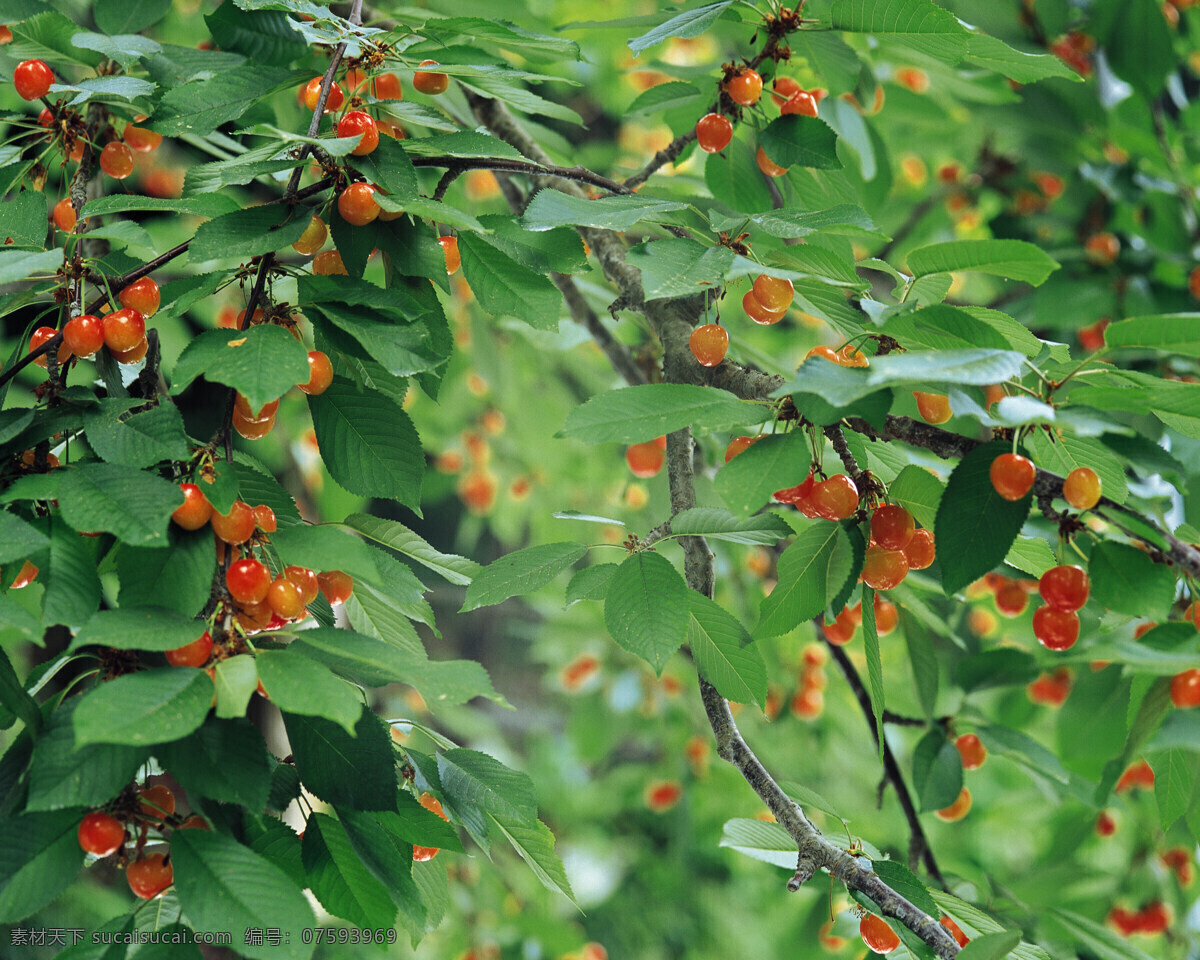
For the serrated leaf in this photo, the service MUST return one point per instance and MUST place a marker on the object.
(1017, 65)
(1124, 579)
(247, 233)
(235, 679)
(1176, 333)
(1031, 555)
(535, 845)
(39, 857)
(205, 206)
(874, 664)
(199, 107)
(14, 699)
(506, 288)
(344, 769)
(991, 946)
(474, 779)
(225, 760)
(690, 23)
(1099, 941)
(129, 16)
(919, 492)
(638, 414)
(327, 546)
(521, 572)
(645, 608)
(141, 440)
(178, 575)
(590, 583)
(797, 141)
(138, 628)
(724, 653)
(937, 771)
(1010, 259)
(771, 463)
(1175, 776)
(550, 208)
(455, 569)
(920, 24)
(810, 573)
(18, 539)
(767, 842)
(1024, 750)
(679, 267)
(151, 706)
(905, 882)
(718, 524)
(261, 363)
(299, 685)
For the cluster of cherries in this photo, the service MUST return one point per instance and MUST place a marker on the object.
(122, 331)
(1151, 919)
(102, 834)
(808, 702)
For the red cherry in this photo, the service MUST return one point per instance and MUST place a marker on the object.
(195, 510)
(123, 330)
(32, 79)
(757, 312)
(284, 599)
(450, 252)
(320, 374)
(140, 139)
(252, 429)
(802, 491)
(237, 525)
(645, 459)
(1056, 629)
(921, 551)
(1012, 475)
(835, 498)
(242, 407)
(1011, 600)
(767, 165)
(430, 83)
(737, 445)
(933, 407)
(133, 354)
(194, 654)
(1106, 826)
(150, 876)
(1139, 775)
(972, 751)
(852, 356)
(430, 803)
(159, 802)
(745, 88)
(1185, 689)
(883, 569)
(955, 931)
(1081, 488)
(305, 581)
(336, 585)
(101, 834)
(1051, 689)
(784, 88)
(877, 935)
(958, 809)
(713, 132)
(248, 581)
(26, 575)
(312, 92)
(83, 335)
(1194, 282)
(357, 204)
(774, 293)
(116, 160)
(142, 295)
(708, 343)
(64, 215)
(355, 123)
(887, 617)
(1102, 248)
(824, 352)
(892, 526)
(1065, 587)
(264, 518)
(313, 237)
(802, 103)
(40, 336)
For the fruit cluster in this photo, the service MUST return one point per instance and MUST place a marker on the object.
(808, 702)
(122, 332)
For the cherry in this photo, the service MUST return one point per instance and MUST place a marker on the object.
(237, 525)
(708, 343)
(921, 551)
(1082, 487)
(355, 123)
(357, 204)
(802, 491)
(1185, 689)
(478, 491)
(645, 459)
(1012, 475)
(661, 795)
(241, 406)
(835, 498)
(25, 576)
(305, 581)
(320, 374)
(1091, 337)
(744, 88)
(248, 581)
(1051, 689)
(195, 511)
(254, 617)
(767, 165)
(852, 356)
(142, 295)
(1011, 600)
(141, 139)
(957, 810)
(1056, 629)
(1194, 282)
(1139, 775)
(194, 822)
(32, 79)
(1065, 587)
(955, 931)
(808, 703)
(387, 87)
(194, 654)
(877, 935)
(824, 352)
(892, 527)
(1102, 248)
(133, 354)
(887, 617)
(150, 876)
(336, 585)
(883, 569)
(430, 83)
(450, 252)
(430, 803)
(42, 335)
(284, 599)
(64, 215)
(972, 751)
(784, 89)
(933, 407)
(737, 445)
(5, 35)
(757, 312)
(83, 335)
(915, 80)
(252, 429)
(312, 93)
(802, 103)
(159, 802)
(840, 632)
(713, 132)
(774, 293)
(258, 317)
(313, 237)
(124, 330)
(101, 834)
(264, 518)
(1106, 826)
(116, 160)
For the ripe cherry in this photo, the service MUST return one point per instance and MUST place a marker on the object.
(133, 354)
(336, 585)
(150, 876)
(194, 822)
(313, 237)
(236, 526)
(887, 617)
(933, 407)
(194, 654)
(958, 809)
(892, 527)
(241, 406)
(116, 160)
(248, 581)
(387, 87)
(284, 599)
(877, 935)
(1051, 689)
(1012, 475)
(921, 551)
(645, 459)
(1056, 629)
(320, 374)
(767, 165)
(1185, 689)
(757, 312)
(357, 204)
(312, 93)
(123, 330)
(1011, 600)
(430, 83)
(357, 123)
(745, 88)
(1194, 282)
(450, 252)
(433, 805)
(1102, 248)
(83, 335)
(40, 336)
(1065, 587)
(1106, 826)
(835, 498)
(774, 293)
(1081, 489)
(737, 445)
(1138, 774)
(709, 342)
(802, 103)
(32, 79)
(141, 139)
(26, 575)
(824, 352)
(142, 295)
(264, 518)
(808, 703)
(955, 930)
(883, 569)
(305, 581)
(195, 511)
(802, 491)
(783, 89)
(101, 834)
(158, 802)
(914, 79)
(64, 215)
(972, 751)
(713, 132)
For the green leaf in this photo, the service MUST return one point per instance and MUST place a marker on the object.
(645, 608)
(991, 946)
(520, 573)
(141, 440)
(559, 250)
(905, 882)
(132, 505)
(368, 443)
(49, 36)
(718, 524)
(810, 798)
(535, 844)
(1099, 941)
(72, 584)
(108, 90)
(223, 885)
(1024, 750)
(206, 206)
(505, 288)
(402, 349)
(138, 628)
(810, 573)
(299, 685)
(550, 208)
(925, 668)
(679, 267)
(1068, 453)
(247, 233)
(937, 771)
(129, 16)
(1031, 555)
(874, 664)
(327, 546)
(39, 857)
(152, 706)
(1011, 259)
(975, 525)
(474, 779)
(637, 414)
(1176, 333)
(178, 575)
(590, 583)
(18, 539)
(339, 878)
(261, 363)
(455, 569)
(14, 698)
(1139, 46)
(1175, 775)
(664, 96)
(985, 51)
(724, 653)
(796, 141)
(127, 49)
(788, 223)
(236, 680)
(767, 842)
(1124, 579)
(201, 106)
(919, 24)
(264, 36)
(17, 265)
(25, 220)
(387, 858)
(414, 824)
(344, 769)
(733, 175)
(62, 775)
(919, 492)
(225, 760)
(690, 23)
